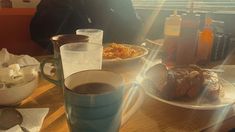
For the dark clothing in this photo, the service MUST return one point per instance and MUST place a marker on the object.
(116, 18)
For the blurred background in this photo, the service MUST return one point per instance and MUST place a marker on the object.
(16, 17)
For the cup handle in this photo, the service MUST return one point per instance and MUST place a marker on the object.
(135, 106)
(42, 65)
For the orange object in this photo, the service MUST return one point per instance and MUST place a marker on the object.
(205, 43)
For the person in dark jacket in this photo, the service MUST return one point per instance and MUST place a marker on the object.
(117, 18)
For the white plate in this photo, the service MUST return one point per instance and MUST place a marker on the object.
(127, 60)
(199, 104)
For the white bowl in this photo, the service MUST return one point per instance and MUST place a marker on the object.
(17, 93)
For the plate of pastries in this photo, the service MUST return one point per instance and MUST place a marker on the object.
(188, 86)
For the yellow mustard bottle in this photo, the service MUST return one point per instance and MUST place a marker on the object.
(172, 25)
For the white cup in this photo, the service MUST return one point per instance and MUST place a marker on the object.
(80, 56)
(95, 35)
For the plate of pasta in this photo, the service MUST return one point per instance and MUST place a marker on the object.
(122, 53)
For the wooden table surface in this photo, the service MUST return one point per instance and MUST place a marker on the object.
(152, 116)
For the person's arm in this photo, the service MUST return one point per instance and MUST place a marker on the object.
(49, 19)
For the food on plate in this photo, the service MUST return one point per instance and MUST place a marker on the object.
(121, 51)
(158, 74)
(186, 81)
(213, 88)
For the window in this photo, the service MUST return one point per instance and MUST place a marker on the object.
(199, 5)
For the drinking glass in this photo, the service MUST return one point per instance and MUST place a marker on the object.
(82, 56)
(95, 35)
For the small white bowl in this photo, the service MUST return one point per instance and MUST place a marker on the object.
(15, 94)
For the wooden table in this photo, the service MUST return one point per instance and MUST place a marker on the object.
(153, 116)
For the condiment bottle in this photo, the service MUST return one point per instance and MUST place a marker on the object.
(187, 43)
(205, 43)
(221, 41)
(171, 32)
(172, 25)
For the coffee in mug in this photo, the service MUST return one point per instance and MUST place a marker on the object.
(93, 101)
(93, 88)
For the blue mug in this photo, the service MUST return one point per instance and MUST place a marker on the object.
(98, 111)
